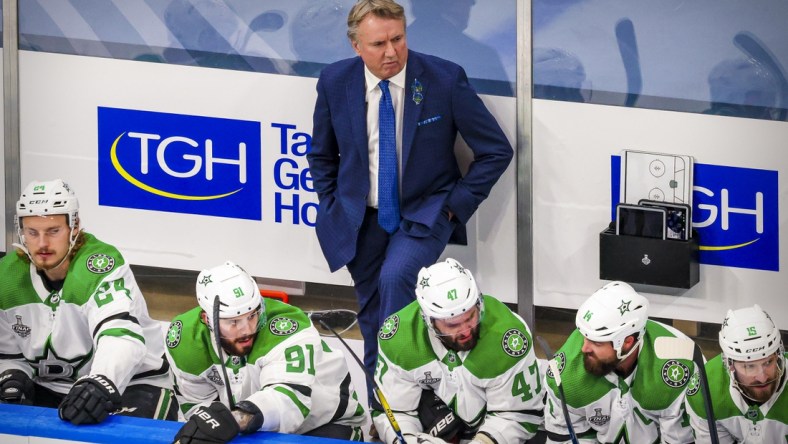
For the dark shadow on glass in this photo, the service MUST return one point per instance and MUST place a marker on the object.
(318, 36)
(558, 75)
(438, 29)
(743, 87)
(628, 48)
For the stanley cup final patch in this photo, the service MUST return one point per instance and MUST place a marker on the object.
(675, 374)
(100, 263)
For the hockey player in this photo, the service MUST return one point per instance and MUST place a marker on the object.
(74, 327)
(746, 381)
(457, 364)
(616, 389)
(282, 376)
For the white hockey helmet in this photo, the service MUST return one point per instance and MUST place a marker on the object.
(237, 291)
(749, 334)
(445, 290)
(612, 313)
(47, 199)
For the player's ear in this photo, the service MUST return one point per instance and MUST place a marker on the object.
(629, 342)
(204, 317)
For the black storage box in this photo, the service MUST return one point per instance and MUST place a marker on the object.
(642, 260)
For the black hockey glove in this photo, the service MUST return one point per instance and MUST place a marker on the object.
(211, 425)
(16, 388)
(90, 400)
(436, 417)
(248, 416)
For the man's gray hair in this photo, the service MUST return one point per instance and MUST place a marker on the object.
(388, 9)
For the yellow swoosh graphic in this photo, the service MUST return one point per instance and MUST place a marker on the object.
(727, 247)
(119, 168)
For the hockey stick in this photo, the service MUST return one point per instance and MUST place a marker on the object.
(383, 402)
(554, 368)
(216, 304)
(755, 49)
(341, 319)
(681, 348)
(628, 48)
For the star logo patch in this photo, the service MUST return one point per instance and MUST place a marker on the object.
(624, 307)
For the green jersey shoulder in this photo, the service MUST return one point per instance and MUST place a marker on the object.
(656, 385)
(503, 340)
(189, 340)
(91, 264)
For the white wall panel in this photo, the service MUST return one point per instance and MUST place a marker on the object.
(573, 145)
(59, 97)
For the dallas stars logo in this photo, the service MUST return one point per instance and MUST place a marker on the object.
(205, 280)
(389, 327)
(560, 362)
(624, 307)
(675, 374)
(174, 334)
(282, 326)
(100, 263)
(424, 282)
(459, 267)
(694, 385)
(514, 343)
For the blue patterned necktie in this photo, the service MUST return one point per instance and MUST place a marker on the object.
(388, 184)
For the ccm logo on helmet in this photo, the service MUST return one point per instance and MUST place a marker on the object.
(752, 350)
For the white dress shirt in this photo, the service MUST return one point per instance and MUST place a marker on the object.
(397, 91)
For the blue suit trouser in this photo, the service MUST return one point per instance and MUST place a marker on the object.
(384, 273)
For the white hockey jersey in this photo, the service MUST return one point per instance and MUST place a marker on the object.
(645, 407)
(495, 388)
(97, 323)
(736, 419)
(291, 375)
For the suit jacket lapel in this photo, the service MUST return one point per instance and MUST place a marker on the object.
(412, 109)
(355, 88)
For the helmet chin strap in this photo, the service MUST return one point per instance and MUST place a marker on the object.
(740, 387)
(636, 346)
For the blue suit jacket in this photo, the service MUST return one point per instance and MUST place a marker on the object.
(431, 179)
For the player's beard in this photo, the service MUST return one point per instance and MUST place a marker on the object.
(599, 367)
(762, 393)
(232, 346)
(456, 345)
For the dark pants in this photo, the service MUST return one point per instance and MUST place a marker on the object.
(141, 401)
(337, 431)
(384, 273)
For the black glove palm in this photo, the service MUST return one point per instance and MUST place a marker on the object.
(436, 417)
(211, 425)
(90, 400)
(16, 387)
